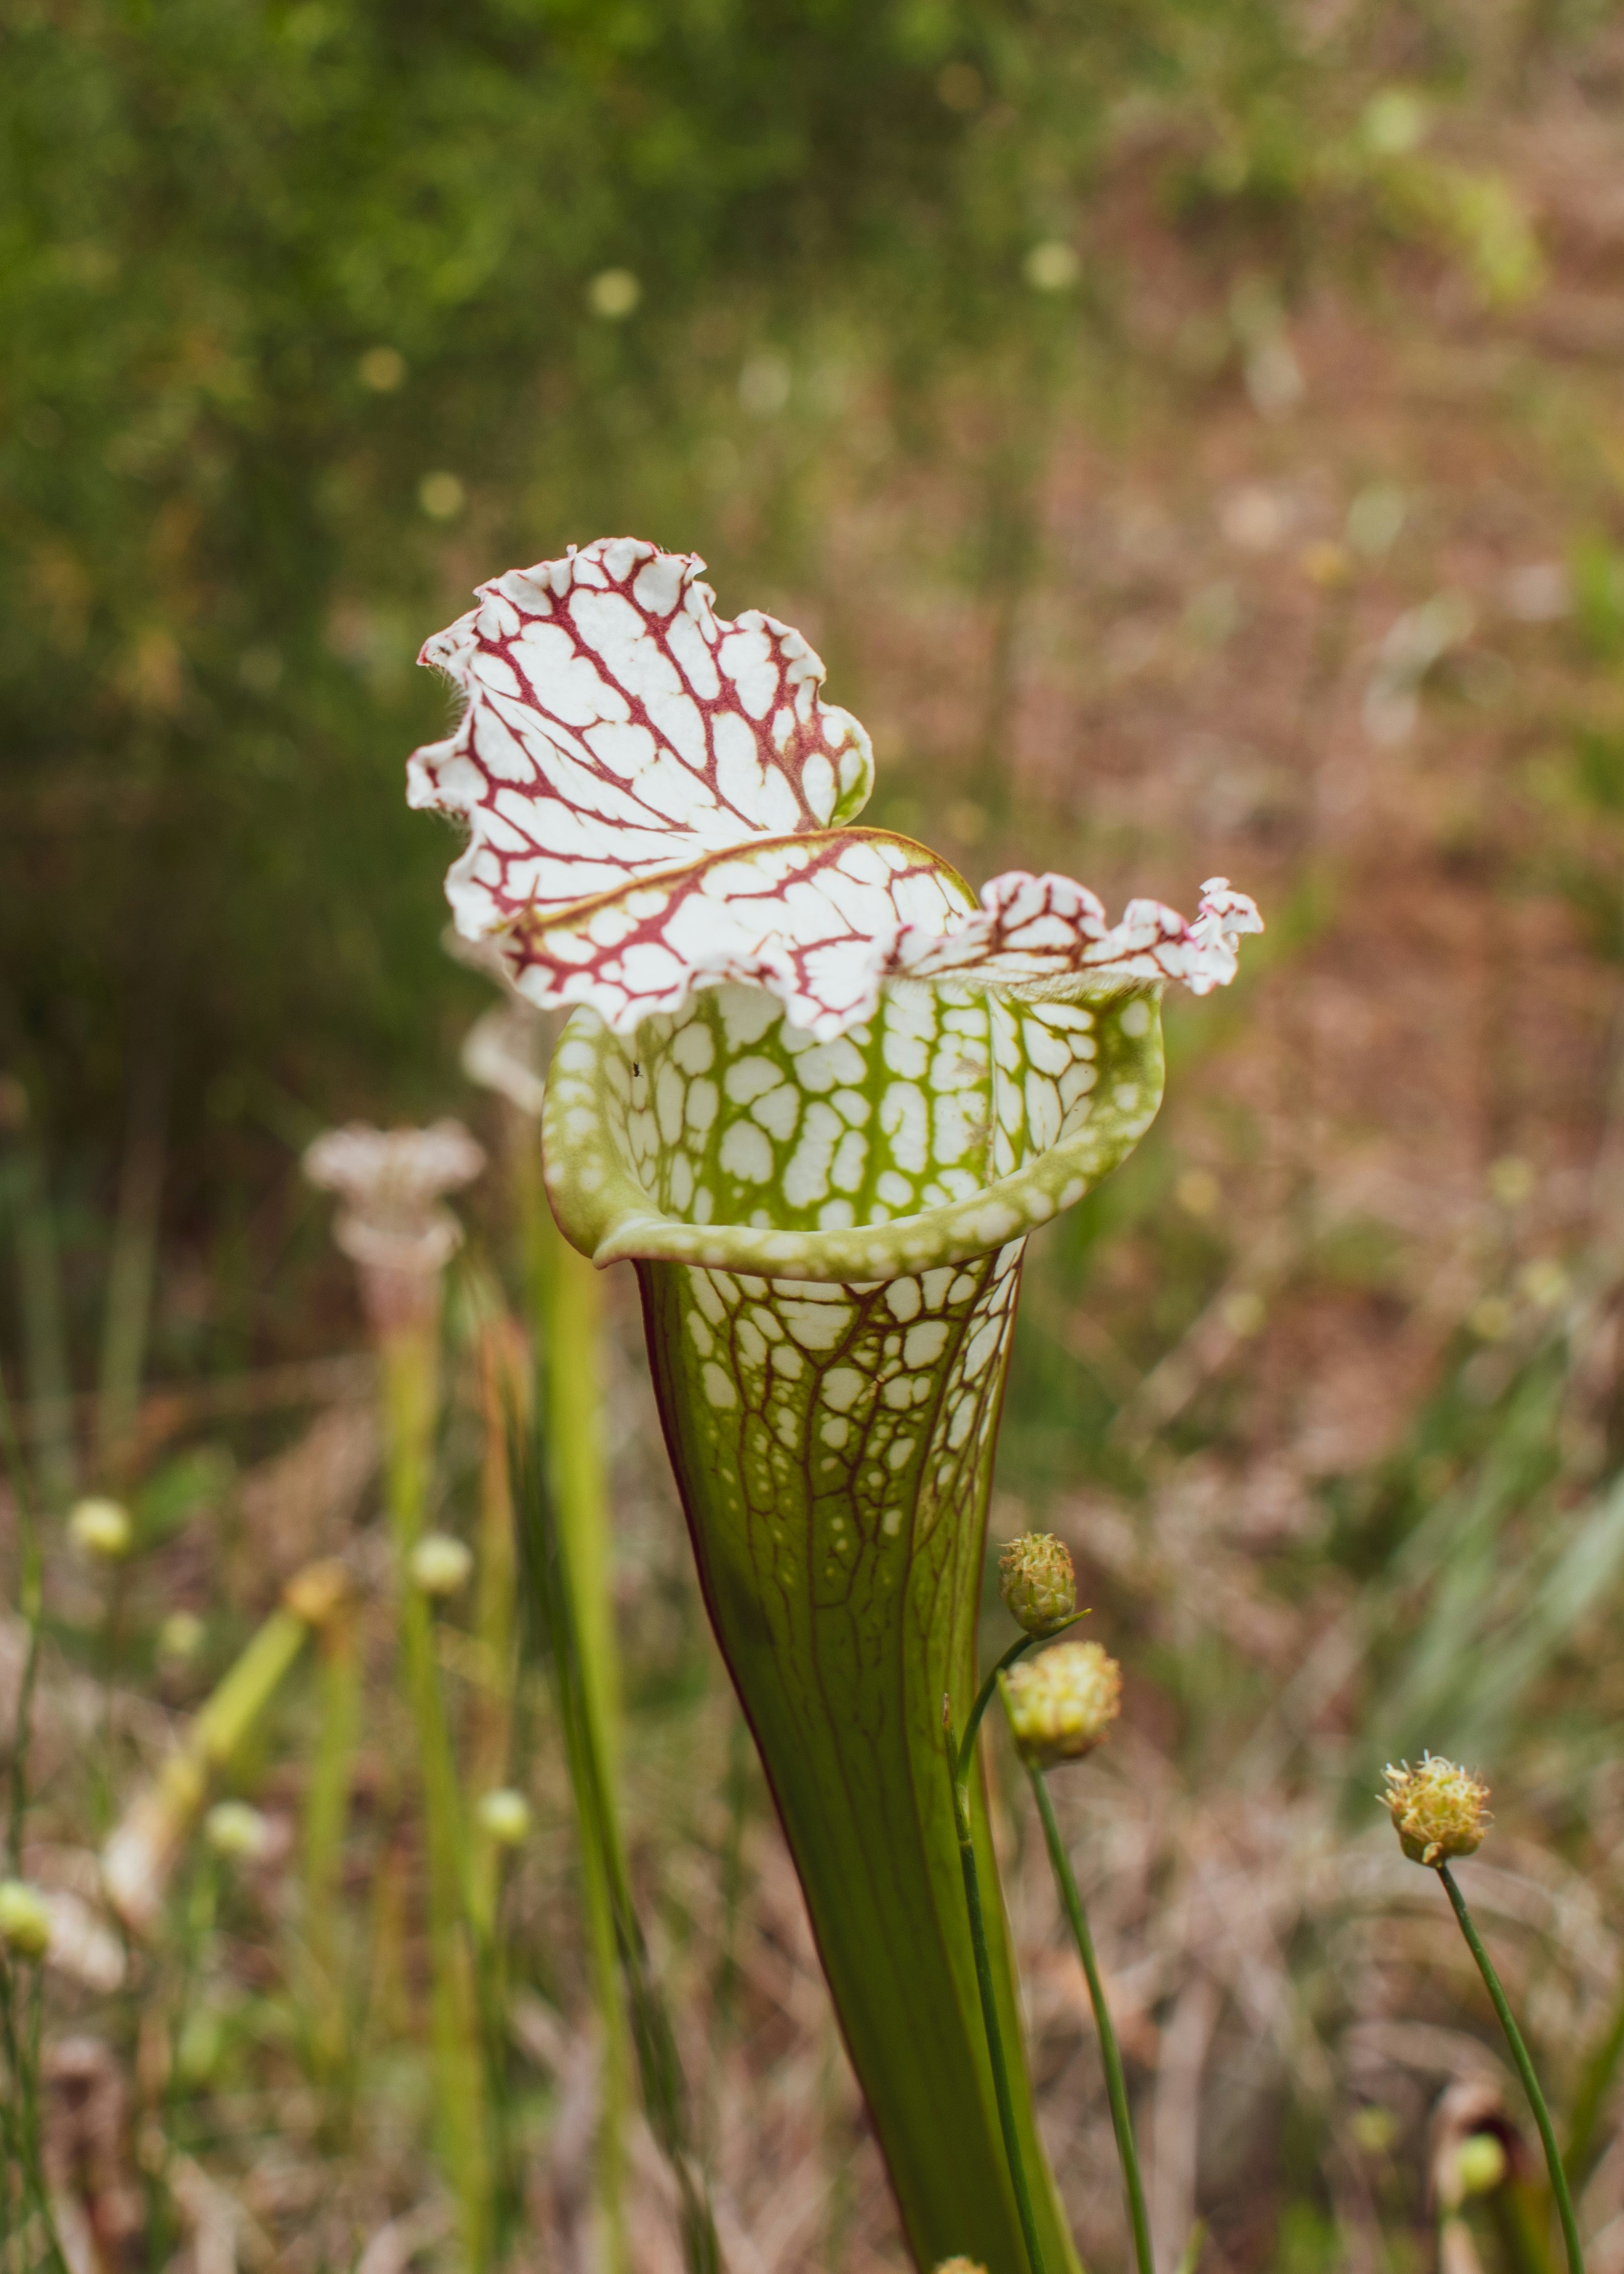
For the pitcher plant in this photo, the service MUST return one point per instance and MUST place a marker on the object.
(819, 1096)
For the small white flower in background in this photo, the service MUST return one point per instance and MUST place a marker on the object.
(614, 294)
(1545, 1283)
(25, 1919)
(1394, 122)
(102, 1530)
(234, 1829)
(441, 1565)
(1051, 267)
(180, 1638)
(382, 369)
(394, 1223)
(505, 1817)
(441, 496)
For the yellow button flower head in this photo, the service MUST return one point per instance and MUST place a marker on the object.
(441, 1565)
(504, 1816)
(25, 1919)
(1063, 1704)
(102, 1530)
(960, 2266)
(1037, 1582)
(237, 1831)
(1439, 1810)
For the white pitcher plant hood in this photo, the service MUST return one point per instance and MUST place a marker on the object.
(659, 802)
(395, 1226)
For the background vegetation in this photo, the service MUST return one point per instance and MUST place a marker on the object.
(1190, 433)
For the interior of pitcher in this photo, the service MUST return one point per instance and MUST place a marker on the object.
(728, 1114)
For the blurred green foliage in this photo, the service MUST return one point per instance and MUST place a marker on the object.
(311, 315)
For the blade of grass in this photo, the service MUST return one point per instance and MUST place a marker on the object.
(410, 1411)
(553, 1631)
(570, 1342)
(1525, 2070)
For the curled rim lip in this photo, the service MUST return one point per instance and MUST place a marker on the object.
(603, 1210)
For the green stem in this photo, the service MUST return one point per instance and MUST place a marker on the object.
(140, 1852)
(326, 1809)
(1525, 2070)
(410, 1406)
(984, 1984)
(22, 2060)
(1520, 2214)
(1116, 2083)
(551, 1598)
(570, 1316)
(984, 1696)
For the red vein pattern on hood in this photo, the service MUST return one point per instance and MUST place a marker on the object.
(656, 796)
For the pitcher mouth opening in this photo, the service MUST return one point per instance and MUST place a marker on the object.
(672, 1145)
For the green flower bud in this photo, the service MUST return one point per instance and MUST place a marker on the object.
(1037, 1582)
(504, 1816)
(25, 1919)
(180, 1638)
(1062, 1704)
(441, 1565)
(960, 2266)
(102, 1530)
(1439, 1810)
(1480, 2163)
(234, 1829)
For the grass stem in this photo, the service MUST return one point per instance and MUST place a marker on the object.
(957, 1778)
(1525, 2070)
(411, 1396)
(1110, 2053)
(569, 1307)
(984, 1696)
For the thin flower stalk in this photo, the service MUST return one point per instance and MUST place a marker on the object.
(960, 1755)
(327, 1808)
(1110, 2052)
(819, 1095)
(570, 1319)
(139, 1857)
(1439, 1811)
(1059, 1707)
(550, 1599)
(501, 1052)
(411, 1406)
(490, 1747)
(1525, 2069)
(395, 1227)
